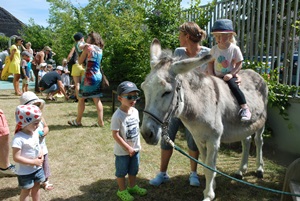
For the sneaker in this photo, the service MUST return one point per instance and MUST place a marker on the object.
(10, 171)
(194, 180)
(159, 179)
(245, 114)
(137, 190)
(125, 195)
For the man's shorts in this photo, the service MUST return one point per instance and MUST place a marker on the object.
(53, 88)
(77, 70)
(4, 129)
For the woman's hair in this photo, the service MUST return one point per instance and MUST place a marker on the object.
(96, 39)
(195, 32)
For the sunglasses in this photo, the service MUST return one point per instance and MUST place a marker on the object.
(130, 97)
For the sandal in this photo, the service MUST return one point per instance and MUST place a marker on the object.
(74, 123)
(47, 186)
(125, 195)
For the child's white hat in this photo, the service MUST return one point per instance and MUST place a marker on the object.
(30, 98)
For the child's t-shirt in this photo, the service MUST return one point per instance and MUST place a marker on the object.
(41, 73)
(30, 148)
(128, 127)
(225, 59)
(24, 66)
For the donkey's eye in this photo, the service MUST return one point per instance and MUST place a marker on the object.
(166, 93)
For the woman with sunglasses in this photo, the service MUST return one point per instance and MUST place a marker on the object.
(91, 80)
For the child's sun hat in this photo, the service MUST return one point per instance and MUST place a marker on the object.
(29, 98)
(25, 115)
(223, 26)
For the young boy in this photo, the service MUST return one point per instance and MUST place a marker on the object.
(125, 131)
(25, 71)
(42, 71)
(27, 152)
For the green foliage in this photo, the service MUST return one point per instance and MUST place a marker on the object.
(3, 42)
(65, 20)
(37, 35)
(279, 94)
(127, 28)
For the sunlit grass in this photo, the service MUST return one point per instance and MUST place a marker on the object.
(82, 162)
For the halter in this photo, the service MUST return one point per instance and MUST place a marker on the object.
(165, 122)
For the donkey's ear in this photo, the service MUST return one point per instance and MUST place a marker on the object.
(155, 51)
(186, 65)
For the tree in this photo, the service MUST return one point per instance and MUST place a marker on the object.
(37, 35)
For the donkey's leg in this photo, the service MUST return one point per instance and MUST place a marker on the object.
(246, 143)
(211, 159)
(259, 154)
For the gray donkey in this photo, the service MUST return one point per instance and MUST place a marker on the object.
(206, 107)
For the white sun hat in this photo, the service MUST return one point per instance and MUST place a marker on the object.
(30, 98)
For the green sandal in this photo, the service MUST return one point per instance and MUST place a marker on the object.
(137, 190)
(125, 195)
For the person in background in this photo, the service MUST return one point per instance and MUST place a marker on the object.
(227, 60)
(77, 69)
(51, 84)
(15, 63)
(126, 133)
(49, 68)
(3, 55)
(91, 81)
(25, 74)
(42, 71)
(35, 65)
(190, 37)
(29, 98)
(6, 168)
(66, 75)
(28, 48)
(27, 152)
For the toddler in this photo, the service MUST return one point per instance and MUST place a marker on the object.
(227, 62)
(27, 152)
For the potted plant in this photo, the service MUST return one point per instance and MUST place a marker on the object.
(283, 108)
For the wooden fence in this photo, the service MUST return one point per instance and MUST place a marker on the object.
(266, 31)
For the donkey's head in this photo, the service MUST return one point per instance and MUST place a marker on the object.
(162, 89)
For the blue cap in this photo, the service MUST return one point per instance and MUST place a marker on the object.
(223, 26)
(126, 87)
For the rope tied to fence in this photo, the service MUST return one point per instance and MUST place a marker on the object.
(168, 140)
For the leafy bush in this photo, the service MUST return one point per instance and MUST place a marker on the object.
(279, 94)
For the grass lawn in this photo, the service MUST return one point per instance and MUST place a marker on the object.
(82, 162)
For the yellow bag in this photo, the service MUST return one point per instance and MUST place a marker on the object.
(5, 73)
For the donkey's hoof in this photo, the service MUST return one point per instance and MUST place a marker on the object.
(238, 176)
(259, 174)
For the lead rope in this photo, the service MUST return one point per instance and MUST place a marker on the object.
(168, 140)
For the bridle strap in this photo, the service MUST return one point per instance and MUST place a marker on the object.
(164, 123)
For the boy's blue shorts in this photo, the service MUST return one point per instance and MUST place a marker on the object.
(127, 165)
